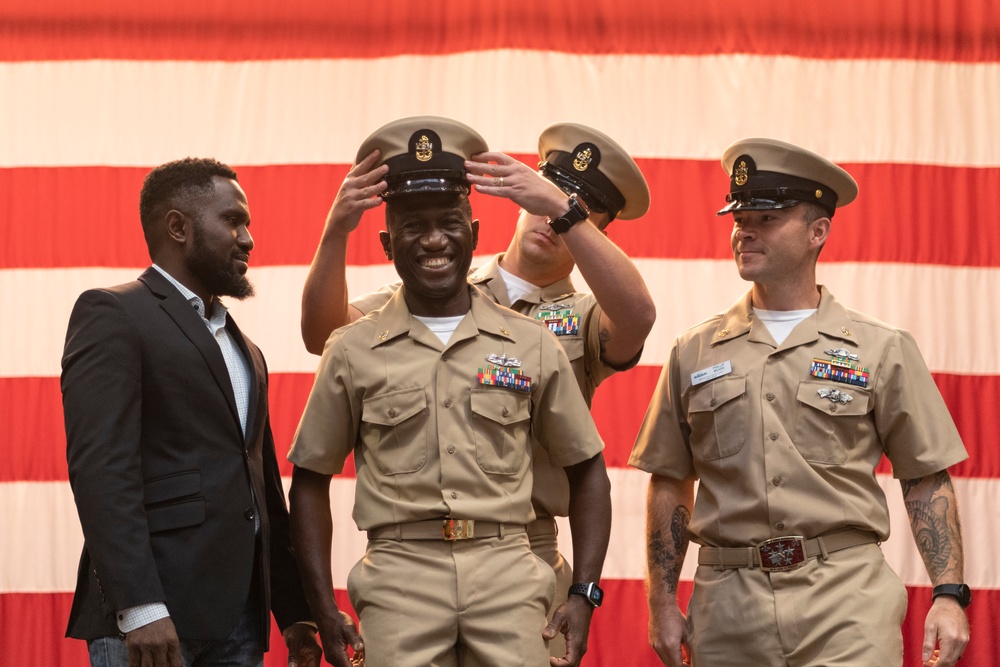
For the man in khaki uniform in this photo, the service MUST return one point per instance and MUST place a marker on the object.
(438, 395)
(781, 408)
(602, 332)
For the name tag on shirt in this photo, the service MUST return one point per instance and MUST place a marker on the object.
(716, 371)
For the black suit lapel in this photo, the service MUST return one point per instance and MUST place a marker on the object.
(193, 327)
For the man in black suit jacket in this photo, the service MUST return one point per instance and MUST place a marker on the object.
(170, 451)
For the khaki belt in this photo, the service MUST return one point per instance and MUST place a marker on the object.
(445, 529)
(542, 528)
(783, 553)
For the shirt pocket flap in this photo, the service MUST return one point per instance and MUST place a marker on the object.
(812, 392)
(171, 487)
(717, 393)
(501, 406)
(394, 407)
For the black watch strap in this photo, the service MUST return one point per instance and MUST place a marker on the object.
(577, 213)
(591, 591)
(960, 592)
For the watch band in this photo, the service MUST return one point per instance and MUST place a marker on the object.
(591, 591)
(960, 592)
(577, 213)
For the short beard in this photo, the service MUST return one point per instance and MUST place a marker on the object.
(218, 279)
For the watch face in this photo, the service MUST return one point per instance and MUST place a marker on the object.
(596, 595)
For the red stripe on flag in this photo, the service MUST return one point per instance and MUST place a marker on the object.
(88, 216)
(231, 30)
(36, 446)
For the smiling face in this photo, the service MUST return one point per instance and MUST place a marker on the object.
(778, 246)
(219, 253)
(430, 239)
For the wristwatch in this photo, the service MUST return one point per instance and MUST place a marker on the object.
(960, 592)
(577, 212)
(591, 591)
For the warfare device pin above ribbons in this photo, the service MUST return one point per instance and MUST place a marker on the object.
(560, 321)
(504, 371)
(841, 367)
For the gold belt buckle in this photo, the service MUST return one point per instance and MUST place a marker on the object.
(458, 529)
(782, 553)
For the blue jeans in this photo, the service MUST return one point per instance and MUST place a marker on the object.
(243, 648)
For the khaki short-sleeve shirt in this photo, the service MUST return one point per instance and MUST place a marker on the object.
(430, 438)
(575, 319)
(782, 442)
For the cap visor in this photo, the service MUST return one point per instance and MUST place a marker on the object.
(757, 204)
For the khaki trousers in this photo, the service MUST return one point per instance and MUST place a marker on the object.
(430, 603)
(546, 546)
(846, 611)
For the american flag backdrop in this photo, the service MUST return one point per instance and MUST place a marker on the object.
(904, 93)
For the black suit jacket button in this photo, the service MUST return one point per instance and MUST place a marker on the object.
(248, 514)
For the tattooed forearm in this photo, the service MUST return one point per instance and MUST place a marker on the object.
(939, 480)
(908, 485)
(665, 556)
(930, 504)
(679, 521)
(930, 529)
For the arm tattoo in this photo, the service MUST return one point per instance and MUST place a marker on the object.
(908, 485)
(934, 521)
(667, 556)
(938, 481)
(604, 335)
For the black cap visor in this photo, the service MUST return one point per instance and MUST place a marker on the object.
(769, 199)
(443, 172)
(426, 183)
(604, 199)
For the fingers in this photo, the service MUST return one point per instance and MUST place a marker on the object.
(489, 161)
(364, 177)
(365, 182)
(353, 639)
(366, 164)
(154, 645)
(493, 180)
(359, 192)
(358, 660)
(491, 169)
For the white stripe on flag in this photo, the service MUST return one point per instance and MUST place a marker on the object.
(40, 561)
(140, 113)
(947, 309)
